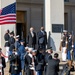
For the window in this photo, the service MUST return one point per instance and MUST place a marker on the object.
(66, 0)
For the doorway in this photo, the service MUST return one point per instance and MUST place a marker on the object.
(21, 30)
(21, 24)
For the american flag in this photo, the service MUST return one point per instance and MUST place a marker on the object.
(8, 14)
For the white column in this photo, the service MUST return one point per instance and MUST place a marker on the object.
(47, 4)
(54, 15)
(57, 18)
(47, 15)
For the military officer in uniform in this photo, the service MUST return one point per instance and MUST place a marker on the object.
(17, 43)
(70, 48)
(21, 52)
(6, 38)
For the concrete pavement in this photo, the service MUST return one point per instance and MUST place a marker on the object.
(6, 71)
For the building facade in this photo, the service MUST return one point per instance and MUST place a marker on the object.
(54, 15)
(4, 27)
(69, 15)
(34, 13)
(29, 14)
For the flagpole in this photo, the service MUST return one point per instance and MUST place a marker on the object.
(0, 5)
(0, 26)
(0, 32)
(16, 18)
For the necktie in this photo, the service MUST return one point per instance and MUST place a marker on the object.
(32, 34)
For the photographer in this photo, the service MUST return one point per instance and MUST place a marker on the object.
(15, 64)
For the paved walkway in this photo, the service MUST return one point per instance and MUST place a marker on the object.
(6, 70)
(61, 67)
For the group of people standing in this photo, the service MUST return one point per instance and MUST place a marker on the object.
(26, 59)
(67, 47)
(12, 41)
(40, 38)
(40, 63)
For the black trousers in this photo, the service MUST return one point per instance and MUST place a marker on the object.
(45, 69)
(29, 72)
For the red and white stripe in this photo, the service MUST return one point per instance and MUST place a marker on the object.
(8, 19)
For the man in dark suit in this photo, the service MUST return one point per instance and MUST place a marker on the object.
(53, 65)
(32, 38)
(42, 38)
(48, 56)
(39, 66)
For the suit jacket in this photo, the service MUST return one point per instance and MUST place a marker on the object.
(53, 67)
(40, 62)
(32, 40)
(42, 38)
(47, 57)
